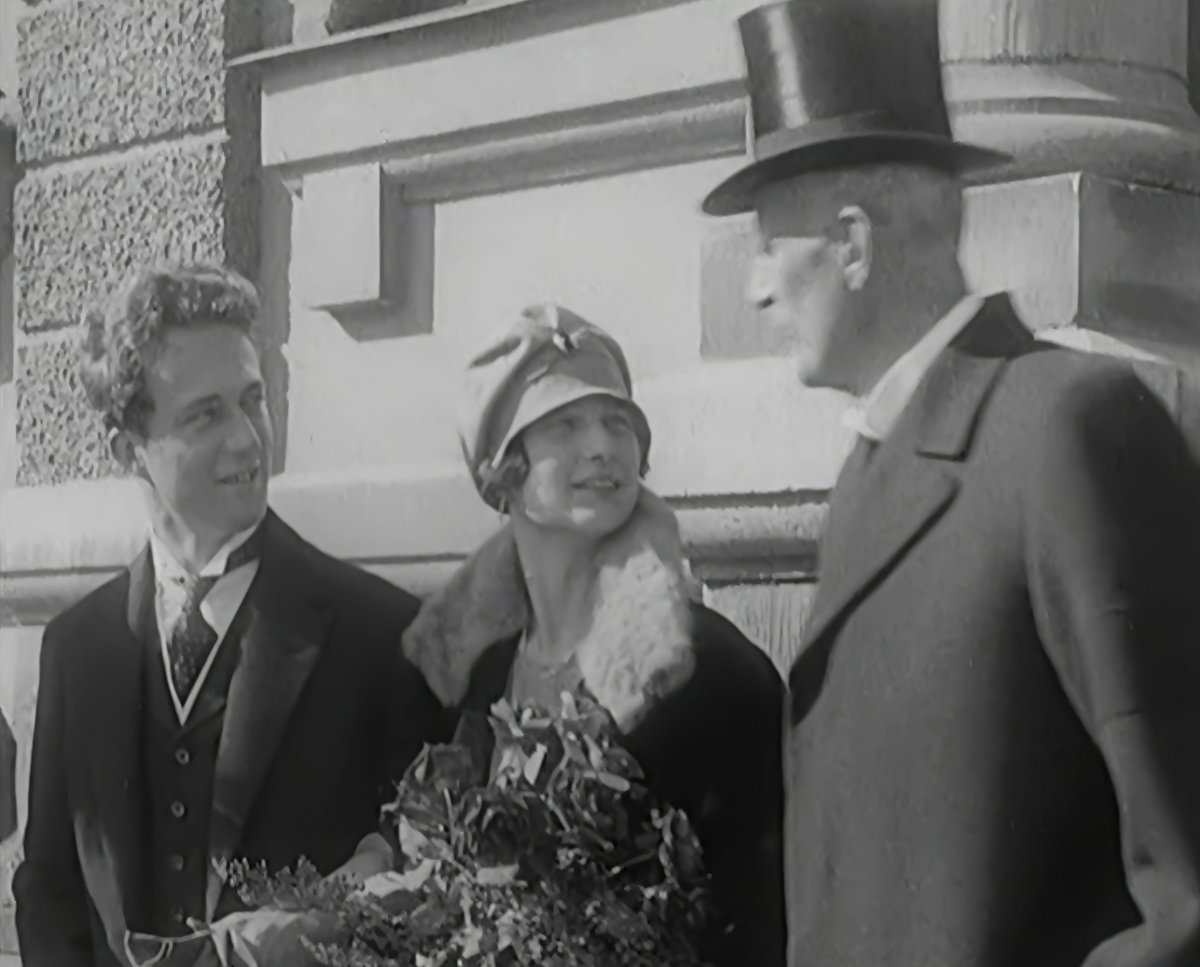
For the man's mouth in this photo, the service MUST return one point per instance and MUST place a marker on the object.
(242, 477)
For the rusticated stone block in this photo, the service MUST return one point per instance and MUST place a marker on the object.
(61, 437)
(79, 232)
(100, 73)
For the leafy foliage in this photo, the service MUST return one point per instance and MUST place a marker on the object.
(557, 855)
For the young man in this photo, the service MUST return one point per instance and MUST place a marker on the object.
(993, 731)
(237, 693)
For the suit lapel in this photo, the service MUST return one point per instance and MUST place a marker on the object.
(899, 498)
(285, 630)
(108, 688)
(886, 510)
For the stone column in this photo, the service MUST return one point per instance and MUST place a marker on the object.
(1096, 224)
(135, 144)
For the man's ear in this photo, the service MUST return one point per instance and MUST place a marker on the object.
(856, 246)
(126, 451)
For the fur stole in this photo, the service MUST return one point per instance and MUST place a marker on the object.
(638, 649)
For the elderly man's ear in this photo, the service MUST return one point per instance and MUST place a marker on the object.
(855, 246)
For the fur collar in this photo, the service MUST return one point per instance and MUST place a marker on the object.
(639, 648)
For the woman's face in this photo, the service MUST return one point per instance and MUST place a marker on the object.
(584, 460)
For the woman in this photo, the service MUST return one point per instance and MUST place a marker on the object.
(587, 586)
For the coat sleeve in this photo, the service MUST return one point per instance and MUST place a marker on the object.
(1112, 532)
(744, 832)
(407, 713)
(51, 897)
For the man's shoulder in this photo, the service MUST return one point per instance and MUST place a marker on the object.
(106, 599)
(104, 603)
(1052, 384)
(340, 583)
(1064, 370)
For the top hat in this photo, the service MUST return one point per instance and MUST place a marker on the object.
(837, 83)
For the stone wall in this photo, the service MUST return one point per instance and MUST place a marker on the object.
(134, 144)
(137, 145)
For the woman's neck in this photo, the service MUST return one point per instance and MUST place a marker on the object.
(560, 574)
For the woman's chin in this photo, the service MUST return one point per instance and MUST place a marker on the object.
(601, 518)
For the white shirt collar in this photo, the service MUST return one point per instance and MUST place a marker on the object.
(167, 568)
(218, 608)
(876, 415)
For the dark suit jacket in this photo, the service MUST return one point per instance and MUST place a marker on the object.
(712, 748)
(322, 714)
(8, 780)
(993, 750)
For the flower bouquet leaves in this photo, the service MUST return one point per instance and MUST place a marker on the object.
(555, 853)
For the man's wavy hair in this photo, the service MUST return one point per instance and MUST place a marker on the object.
(121, 340)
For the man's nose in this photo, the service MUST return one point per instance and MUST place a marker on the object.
(760, 283)
(243, 434)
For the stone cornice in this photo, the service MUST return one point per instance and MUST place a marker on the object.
(61, 542)
(521, 17)
(511, 82)
(730, 458)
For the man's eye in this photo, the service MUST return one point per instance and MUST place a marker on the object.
(202, 417)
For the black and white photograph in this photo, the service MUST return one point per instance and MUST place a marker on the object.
(599, 483)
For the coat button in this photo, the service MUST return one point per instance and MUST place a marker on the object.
(178, 809)
(176, 862)
(182, 756)
(178, 915)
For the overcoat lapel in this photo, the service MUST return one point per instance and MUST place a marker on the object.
(286, 628)
(914, 477)
(108, 689)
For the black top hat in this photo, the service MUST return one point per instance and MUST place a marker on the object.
(836, 83)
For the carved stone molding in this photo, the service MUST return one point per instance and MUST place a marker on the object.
(1090, 85)
(364, 251)
(413, 532)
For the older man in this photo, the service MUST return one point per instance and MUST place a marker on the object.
(993, 736)
(236, 693)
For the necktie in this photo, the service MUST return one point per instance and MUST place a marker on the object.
(193, 638)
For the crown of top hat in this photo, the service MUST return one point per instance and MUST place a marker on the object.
(836, 83)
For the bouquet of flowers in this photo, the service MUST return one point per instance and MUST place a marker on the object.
(557, 854)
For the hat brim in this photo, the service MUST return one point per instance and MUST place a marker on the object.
(735, 195)
(558, 401)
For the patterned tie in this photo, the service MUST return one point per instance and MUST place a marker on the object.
(193, 638)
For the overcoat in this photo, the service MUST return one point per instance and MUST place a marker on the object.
(993, 731)
(699, 706)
